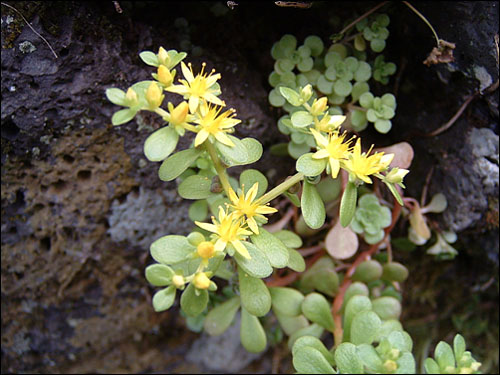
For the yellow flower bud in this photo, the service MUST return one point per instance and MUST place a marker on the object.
(178, 281)
(201, 281)
(396, 175)
(390, 365)
(449, 370)
(319, 106)
(178, 114)
(306, 93)
(163, 56)
(154, 96)
(206, 249)
(475, 366)
(164, 75)
(465, 370)
(131, 97)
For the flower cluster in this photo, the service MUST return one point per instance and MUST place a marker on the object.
(201, 112)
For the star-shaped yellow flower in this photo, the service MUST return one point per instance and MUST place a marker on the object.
(210, 122)
(227, 230)
(361, 165)
(332, 148)
(197, 88)
(246, 205)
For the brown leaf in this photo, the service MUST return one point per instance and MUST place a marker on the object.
(340, 242)
(403, 154)
(443, 53)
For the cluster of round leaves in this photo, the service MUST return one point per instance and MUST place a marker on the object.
(378, 110)
(371, 218)
(374, 30)
(340, 72)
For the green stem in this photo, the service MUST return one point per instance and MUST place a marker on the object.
(424, 19)
(281, 188)
(219, 168)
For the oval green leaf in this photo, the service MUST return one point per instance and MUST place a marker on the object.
(310, 166)
(308, 360)
(255, 296)
(171, 249)
(159, 274)
(312, 206)
(252, 335)
(286, 301)
(191, 303)
(347, 359)
(317, 309)
(348, 204)
(161, 143)
(220, 317)
(174, 165)
(195, 187)
(164, 299)
(364, 327)
(276, 252)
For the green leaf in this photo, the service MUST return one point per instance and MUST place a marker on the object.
(356, 288)
(235, 155)
(401, 340)
(195, 187)
(192, 304)
(315, 44)
(123, 116)
(252, 335)
(324, 85)
(315, 343)
(314, 330)
(387, 307)
(406, 364)
(321, 276)
(370, 358)
(289, 239)
(177, 163)
(312, 206)
(198, 210)
(159, 274)
(368, 271)
(458, 346)
(310, 166)
(308, 360)
(342, 88)
(293, 198)
(355, 305)
(317, 309)
(255, 296)
(164, 299)
(301, 119)
(431, 367)
(366, 100)
(377, 45)
(286, 301)
(272, 247)
(161, 143)
(394, 271)
(444, 355)
(394, 193)
(171, 249)
(258, 265)
(297, 149)
(364, 327)
(117, 96)
(292, 96)
(328, 189)
(291, 324)
(254, 150)
(149, 58)
(347, 359)
(249, 177)
(220, 317)
(275, 98)
(383, 126)
(295, 261)
(348, 204)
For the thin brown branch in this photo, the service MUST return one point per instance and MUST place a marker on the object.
(362, 17)
(450, 123)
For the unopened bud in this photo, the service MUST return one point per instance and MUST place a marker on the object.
(390, 365)
(201, 281)
(178, 114)
(164, 75)
(205, 249)
(178, 281)
(306, 93)
(319, 106)
(396, 175)
(131, 97)
(163, 56)
(154, 96)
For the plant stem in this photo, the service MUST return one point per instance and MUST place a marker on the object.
(281, 188)
(219, 168)
(424, 19)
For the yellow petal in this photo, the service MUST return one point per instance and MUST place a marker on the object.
(265, 210)
(321, 154)
(320, 139)
(240, 248)
(200, 137)
(252, 193)
(210, 227)
(187, 72)
(223, 138)
(252, 224)
(335, 166)
(220, 245)
(213, 99)
(193, 103)
(210, 80)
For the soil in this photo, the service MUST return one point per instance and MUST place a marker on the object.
(80, 203)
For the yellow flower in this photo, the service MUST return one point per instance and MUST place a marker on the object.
(361, 165)
(201, 281)
(319, 106)
(328, 123)
(245, 205)
(228, 229)
(164, 76)
(154, 96)
(333, 148)
(199, 87)
(211, 123)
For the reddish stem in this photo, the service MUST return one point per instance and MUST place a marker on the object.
(339, 298)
